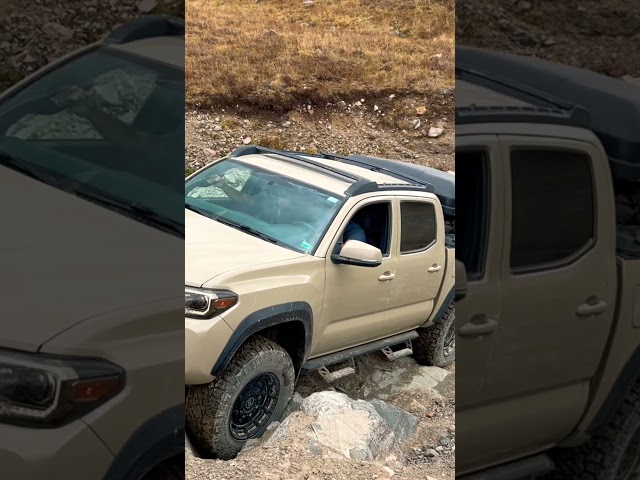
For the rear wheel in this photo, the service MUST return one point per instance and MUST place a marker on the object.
(613, 454)
(436, 344)
(253, 391)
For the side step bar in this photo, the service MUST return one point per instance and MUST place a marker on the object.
(525, 469)
(333, 358)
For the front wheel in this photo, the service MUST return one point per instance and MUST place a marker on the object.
(436, 344)
(253, 391)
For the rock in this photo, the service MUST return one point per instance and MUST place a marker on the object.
(247, 140)
(524, 6)
(435, 132)
(294, 405)
(426, 379)
(308, 3)
(354, 428)
(392, 96)
(432, 453)
(375, 108)
(217, 128)
(57, 31)
(146, 6)
(358, 104)
(421, 110)
(525, 38)
(416, 124)
(286, 124)
(402, 424)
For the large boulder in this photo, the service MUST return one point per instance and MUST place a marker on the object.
(356, 429)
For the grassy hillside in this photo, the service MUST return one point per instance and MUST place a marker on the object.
(275, 54)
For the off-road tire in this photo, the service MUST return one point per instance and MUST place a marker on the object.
(209, 407)
(429, 347)
(601, 458)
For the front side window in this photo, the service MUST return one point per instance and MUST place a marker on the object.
(473, 207)
(553, 207)
(263, 203)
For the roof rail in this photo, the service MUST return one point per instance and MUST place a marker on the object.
(376, 168)
(508, 87)
(575, 117)
(369, 186)
(298, 157)
(147, 26)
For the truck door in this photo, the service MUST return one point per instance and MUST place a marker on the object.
(479, 211)
(557, 287)
(420, 258)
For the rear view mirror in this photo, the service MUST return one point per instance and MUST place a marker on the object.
(461, 280)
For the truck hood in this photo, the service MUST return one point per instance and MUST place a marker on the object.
(65, 260)
(212, 249)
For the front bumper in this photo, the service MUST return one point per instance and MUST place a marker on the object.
(204, 341)
(70, 452)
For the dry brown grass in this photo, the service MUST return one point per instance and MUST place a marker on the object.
(278, 53)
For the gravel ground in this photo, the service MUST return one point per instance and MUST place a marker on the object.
(33, 34)
(389, 127)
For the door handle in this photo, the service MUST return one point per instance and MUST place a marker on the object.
(478, 326)
(386, 276)
(593, 306)
(435, 268)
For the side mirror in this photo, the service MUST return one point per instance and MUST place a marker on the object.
(461, 280)
(359, 254)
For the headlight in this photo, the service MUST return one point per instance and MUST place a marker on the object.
(47, 391)
(201, 303)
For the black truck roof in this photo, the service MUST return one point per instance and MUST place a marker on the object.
(613, 104)
(444, 183)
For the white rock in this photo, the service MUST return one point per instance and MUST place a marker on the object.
(57, 31)
(435, 132)
(247, 140)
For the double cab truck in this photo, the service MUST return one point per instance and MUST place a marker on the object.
(298, 262)
(548, 309)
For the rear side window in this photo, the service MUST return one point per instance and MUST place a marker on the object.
(418, 228)
(553, 208)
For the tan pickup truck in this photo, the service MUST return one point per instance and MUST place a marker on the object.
(548, 165)
(298, 262)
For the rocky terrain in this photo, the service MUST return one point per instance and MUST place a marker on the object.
(389, 420)
(391, 128)
(33, 34)
(601, 35)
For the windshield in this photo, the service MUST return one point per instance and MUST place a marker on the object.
(263, 203)
(108, 120)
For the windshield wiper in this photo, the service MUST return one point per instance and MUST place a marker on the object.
(199, 211)
(37, 173)
(246, 229)
(140, 212)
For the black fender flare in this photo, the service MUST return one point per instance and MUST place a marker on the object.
(158, 439)
(260, 320)
(628, 377)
